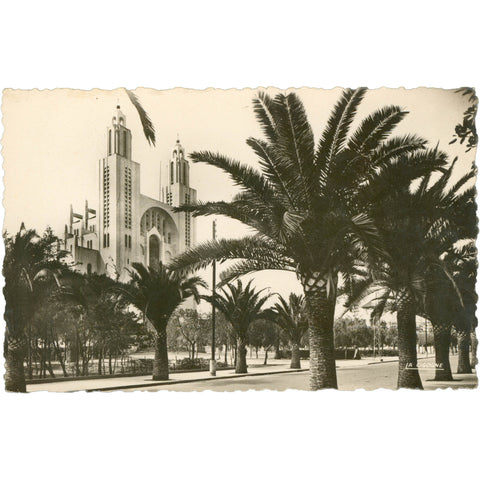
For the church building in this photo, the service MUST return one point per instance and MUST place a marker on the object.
(127, 226)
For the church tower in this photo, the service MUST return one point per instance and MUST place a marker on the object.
(175, 191)
(119, 191)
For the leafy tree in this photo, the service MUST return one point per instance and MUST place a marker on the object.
(114, 328)
(263, 334)
(241, 305)
(224, 335)
(193, 327)
(308, 204)
(467, 131)
(352, 332)
(157, 292)
(290, 317)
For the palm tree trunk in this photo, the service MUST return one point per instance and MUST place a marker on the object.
(408, 376)
(160, 363)
(14, 351)
(474, 345)
(463, 352)
(295, 362)
(441, 339)
(321, 310)
(241, 362)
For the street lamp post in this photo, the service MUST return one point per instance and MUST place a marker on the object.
(213, 363)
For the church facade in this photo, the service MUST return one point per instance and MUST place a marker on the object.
(127, 226)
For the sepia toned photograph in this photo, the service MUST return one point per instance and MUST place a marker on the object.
(232, 240)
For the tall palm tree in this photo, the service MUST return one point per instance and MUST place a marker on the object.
(30, 261)
(418, 223)
(290, 317)
(157, 292)
(449, 307)
(240, 305)
(306, 204)
(465, 265)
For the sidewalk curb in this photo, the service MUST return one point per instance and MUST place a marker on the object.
(189, 380)
(385, 361)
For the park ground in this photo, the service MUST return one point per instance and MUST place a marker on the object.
(368, 374)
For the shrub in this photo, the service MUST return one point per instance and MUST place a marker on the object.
(189, 364)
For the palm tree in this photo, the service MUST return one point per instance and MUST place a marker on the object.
(449, 307)
(464, 265)
(30, 261)
(241, 306)
(290, 317)
(306, 205)
(157, 292)
(418, 223)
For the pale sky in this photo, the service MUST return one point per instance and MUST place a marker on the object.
(54, 139)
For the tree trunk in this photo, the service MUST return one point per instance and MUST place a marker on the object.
(474, 345)
(14, 351)
(277, 349)
(99, 367)
(160, 363)
(295, 362)
(321, 310)
(60, 357)
(241, 363)
(226, 354)
(441, 339)
(266, 356)
(463, 352)
(408, 376)
(29, 353)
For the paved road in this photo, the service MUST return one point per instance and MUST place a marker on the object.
(369, 377)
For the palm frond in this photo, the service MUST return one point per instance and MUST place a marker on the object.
(375, 128)
(335, 134)
(147, 125)
(295, 141)
(221, 250)
(262, 106)
(245, 267)
(242, 175)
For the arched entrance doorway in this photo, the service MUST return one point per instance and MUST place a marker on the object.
(154, 251)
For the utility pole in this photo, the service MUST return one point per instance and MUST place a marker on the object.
(213, 363)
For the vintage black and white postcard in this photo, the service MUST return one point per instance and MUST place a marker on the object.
(240, 239)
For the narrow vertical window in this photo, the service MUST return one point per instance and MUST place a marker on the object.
(171, 173)
(109, 142)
